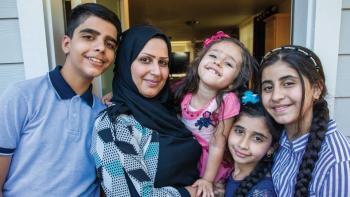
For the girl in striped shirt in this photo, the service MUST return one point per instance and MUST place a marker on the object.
(314, 157)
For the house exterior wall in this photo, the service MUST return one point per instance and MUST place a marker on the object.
(27, 48)
(30, 37)
(342, 95)
(324, 26)
(11, 59)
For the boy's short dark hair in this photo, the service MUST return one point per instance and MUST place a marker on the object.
(80, 13)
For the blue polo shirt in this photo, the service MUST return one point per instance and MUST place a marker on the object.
(46, 128)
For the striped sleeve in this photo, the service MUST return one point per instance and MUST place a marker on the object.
(338, 181)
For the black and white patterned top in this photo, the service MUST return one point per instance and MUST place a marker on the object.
(126, 156)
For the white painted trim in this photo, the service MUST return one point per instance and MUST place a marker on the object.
(320, 31)
(33, 37)
(54, 23)
(303, 23)
(310, 24)
(326, 42)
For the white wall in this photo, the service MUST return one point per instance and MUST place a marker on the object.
(342, 96)
(34, 37)
(316, 25)
(326, 42)
(11, 61)
(302, 22)
(30, 37)
(54, 28)
(324, 26)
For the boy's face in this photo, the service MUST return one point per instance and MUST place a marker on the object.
(91, 50)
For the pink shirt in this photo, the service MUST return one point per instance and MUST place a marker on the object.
(203, 121)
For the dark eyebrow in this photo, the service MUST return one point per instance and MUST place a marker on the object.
(239, 127)
(280, 79)
(91, 31)
(287, 77)
(155, 56)
(233, 59)
(266, 81)
(260, 134)
(94, 32)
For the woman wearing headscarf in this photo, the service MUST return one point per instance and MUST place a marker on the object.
(139, 146)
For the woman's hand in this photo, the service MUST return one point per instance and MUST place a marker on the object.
(204, 188)
(106, 99)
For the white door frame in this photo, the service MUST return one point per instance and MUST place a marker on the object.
(316, 25)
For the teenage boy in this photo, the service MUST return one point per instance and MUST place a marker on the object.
(46, 123)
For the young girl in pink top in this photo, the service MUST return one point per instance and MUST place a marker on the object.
(209, 102)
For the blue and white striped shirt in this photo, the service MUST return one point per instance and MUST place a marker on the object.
(331, 175)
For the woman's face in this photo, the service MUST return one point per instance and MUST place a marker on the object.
(282, 94)
(150, 70)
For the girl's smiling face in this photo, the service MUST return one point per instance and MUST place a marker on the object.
(249, 140)
(282, 96)
(220, 65)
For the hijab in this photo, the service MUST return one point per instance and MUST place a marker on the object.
(179, 152)
(156, 113)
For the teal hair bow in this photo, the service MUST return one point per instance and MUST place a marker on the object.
(250, 97)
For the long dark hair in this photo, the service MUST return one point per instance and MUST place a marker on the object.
(263, 168)
(191, 81)
(307, 64)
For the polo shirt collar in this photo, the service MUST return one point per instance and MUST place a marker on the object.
(64, 90)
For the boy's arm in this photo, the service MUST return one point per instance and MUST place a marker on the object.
(4, 166)
(13, 115)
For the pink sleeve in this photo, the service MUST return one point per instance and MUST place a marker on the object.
(184, 103)
(230, 106)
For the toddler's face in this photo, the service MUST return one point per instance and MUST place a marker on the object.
(249, 140)
(220, 65)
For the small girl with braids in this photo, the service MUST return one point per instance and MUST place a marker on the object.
(209, 104)
(314, 157)
(252, 141)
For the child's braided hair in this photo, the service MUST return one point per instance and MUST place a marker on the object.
(307, 64)
(252, 106)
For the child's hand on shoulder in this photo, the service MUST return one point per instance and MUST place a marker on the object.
(107, 99)
(204, 188)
